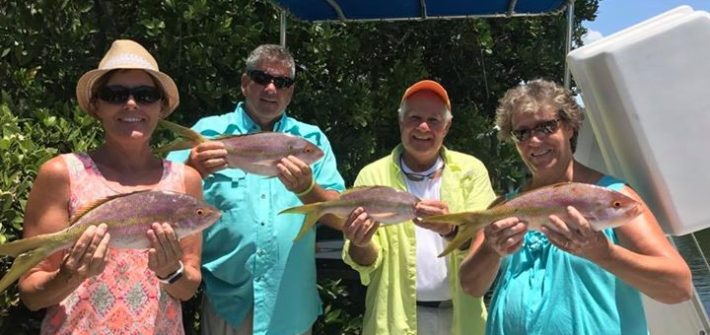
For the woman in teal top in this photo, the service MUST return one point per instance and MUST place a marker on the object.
(567, 279)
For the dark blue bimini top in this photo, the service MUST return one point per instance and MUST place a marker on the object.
(353, 10)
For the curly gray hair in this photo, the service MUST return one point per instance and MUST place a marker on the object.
(529, 97)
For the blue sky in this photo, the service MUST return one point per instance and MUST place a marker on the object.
(615, 15)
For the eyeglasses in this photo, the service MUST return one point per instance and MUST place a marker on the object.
(263, 78)
(117, 94)
(543, 128)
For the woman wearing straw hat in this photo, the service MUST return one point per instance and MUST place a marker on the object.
(90, 288)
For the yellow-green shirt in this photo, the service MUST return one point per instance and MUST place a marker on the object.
(390, 304)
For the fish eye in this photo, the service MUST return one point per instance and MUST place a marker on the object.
(200, 212)
(616, 204)
(308, 149)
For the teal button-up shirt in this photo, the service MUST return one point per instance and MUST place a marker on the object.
(249, 257)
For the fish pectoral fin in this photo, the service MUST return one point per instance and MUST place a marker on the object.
(24, 262)
(264, 163)
(384, 216)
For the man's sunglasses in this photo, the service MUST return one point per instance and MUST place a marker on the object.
(263, 78)
(543, 128)
(117, 94)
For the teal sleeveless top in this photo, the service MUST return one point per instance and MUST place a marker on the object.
(544, 290)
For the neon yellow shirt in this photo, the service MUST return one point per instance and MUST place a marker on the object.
(390, 304)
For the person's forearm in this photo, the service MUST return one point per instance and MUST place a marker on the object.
(365, 255)
(658, 277)
(43, 289)
(185, 287)
(478, 271)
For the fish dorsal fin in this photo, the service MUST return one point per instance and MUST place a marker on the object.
(555, 185)
(359, 188)
(223, 137)
(96, 203)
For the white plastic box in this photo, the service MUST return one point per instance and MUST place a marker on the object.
(646, 91)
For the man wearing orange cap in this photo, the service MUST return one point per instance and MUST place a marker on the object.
(411, 290)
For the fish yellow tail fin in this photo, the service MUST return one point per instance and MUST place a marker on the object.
(15, 248)
(24, 261)
(188, 137)
(178, 144)
(466, 233)
(469, 223)
(313, 212)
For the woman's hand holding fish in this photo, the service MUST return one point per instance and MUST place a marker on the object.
(430, 207)
(208, 157)
(359, 227)
(165, 252)
(87, 258)
(505, 236)
(295, 174)
(576, 236)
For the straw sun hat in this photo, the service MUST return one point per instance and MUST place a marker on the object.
(126, 54)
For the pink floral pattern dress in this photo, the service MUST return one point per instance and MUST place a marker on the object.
(126, 298)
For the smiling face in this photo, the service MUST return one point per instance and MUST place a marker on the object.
(265, 102)
(423, 127)
(544, 154)
(133, 119)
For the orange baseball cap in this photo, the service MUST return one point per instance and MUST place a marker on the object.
(428, 85)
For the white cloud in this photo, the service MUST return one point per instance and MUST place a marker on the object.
(591, 36)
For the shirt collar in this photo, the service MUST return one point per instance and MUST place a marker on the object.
(399, 150)
(246, 125)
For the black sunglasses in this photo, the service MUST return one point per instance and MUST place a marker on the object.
(263, 78)
(543, 128)
(117, 94)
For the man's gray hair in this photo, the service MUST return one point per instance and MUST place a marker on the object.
(403, 108)
(271, 53)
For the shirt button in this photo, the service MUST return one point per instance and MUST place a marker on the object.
(263, 196)
(262, 223)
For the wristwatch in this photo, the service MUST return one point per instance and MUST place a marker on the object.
(173, 277)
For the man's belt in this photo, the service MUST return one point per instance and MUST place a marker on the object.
(435, 304)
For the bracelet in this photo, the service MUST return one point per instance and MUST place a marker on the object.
(309, 189)
(451, 234)
(173, 277)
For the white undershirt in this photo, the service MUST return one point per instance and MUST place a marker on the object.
(432, 271)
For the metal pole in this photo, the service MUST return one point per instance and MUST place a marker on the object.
(568, 42)
(283, 28)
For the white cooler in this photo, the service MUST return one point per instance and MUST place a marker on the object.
(646, 90)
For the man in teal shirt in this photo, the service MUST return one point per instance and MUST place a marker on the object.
(411, 290)
(257, 279)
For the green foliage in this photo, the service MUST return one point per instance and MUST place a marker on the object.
(340, 311)
(350, 80)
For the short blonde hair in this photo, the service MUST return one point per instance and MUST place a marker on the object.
(531, 96)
